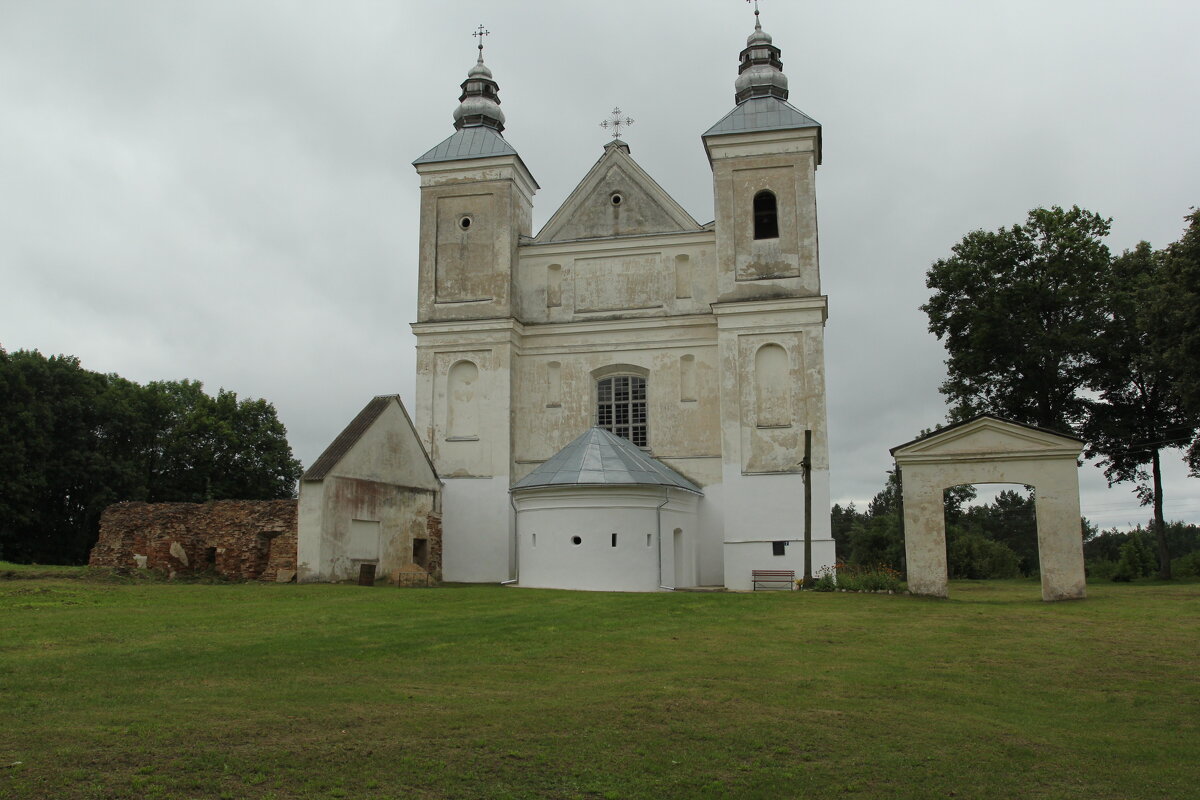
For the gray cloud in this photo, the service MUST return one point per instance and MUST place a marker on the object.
(222, 191)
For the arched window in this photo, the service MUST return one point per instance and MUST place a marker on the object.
(621, 407)
(766, 219)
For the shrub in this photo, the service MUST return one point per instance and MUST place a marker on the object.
(1187, 566)
(872, 578)
(976, 557)
(1132, 563)
(826, 580)
(1101, 570)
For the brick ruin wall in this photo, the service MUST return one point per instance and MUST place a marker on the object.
(433, 532)
(242, 539)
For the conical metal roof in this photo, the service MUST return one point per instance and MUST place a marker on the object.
(762, 114)
(599, 458)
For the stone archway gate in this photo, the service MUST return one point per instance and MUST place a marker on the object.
(988, 449)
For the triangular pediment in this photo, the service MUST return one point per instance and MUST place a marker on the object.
(989, 436)
(380, 444)
(592, 210)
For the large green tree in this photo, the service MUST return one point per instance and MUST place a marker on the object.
(74, 441)
(1139, 411)
(1017, 309)
(1181, 273)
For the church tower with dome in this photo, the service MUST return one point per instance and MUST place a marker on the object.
(623, 399)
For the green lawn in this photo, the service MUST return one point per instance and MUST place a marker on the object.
(156, 690)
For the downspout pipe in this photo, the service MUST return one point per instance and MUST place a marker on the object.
(516, 546)
(658, 520)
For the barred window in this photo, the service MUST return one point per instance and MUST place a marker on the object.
(621, 407)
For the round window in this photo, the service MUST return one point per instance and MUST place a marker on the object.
(464, 223)
(616, 199)
(576, 540)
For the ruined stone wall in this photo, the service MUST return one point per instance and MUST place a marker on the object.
(433, 531)
(242, 539)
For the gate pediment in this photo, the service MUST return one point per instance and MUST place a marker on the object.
(987, 437)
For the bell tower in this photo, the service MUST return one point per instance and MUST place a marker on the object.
(770, 320)
(476, 204)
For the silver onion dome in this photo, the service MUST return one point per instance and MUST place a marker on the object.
(479, 103)
(758, 37)
(760, 73)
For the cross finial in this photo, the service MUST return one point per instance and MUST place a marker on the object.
(757, 24)
(479, 33)
(616, 122)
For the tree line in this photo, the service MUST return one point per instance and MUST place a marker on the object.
(73, 441)
(1043, 325)
(999, 539)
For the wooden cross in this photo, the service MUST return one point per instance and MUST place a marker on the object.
(616, 122)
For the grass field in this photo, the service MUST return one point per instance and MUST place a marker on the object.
(155, 690)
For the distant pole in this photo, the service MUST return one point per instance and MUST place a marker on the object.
(807, 465)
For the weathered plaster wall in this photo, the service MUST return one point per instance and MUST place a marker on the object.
(400, 514)
(245, 539)
(466, 268)
(379, 503)
(989, 450)
(683, 424)
(647, 276)
(783, 162)
(1056, 498)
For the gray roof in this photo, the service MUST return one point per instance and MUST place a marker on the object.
(762, 114)
(599, 458)
(472, 142)
(349, 437)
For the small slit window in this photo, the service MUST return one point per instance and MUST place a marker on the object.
(614, 540)
(766, 217)
(779, 548)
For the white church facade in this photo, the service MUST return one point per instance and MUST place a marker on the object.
(699, 345)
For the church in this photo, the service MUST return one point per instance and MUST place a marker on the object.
(627, 399)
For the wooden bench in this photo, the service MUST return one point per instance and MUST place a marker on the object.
(781, 579)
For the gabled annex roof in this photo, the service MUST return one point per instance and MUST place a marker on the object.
(469, 143)
(353, 432)
(600, 458)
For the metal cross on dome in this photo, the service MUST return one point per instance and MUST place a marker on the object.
(616, 122)
(479, 33)
(755, 9)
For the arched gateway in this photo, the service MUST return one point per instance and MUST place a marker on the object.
(987, 449)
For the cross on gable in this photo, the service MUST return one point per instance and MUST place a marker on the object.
(616, 122)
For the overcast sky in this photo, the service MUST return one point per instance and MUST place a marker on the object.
(221, 190)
